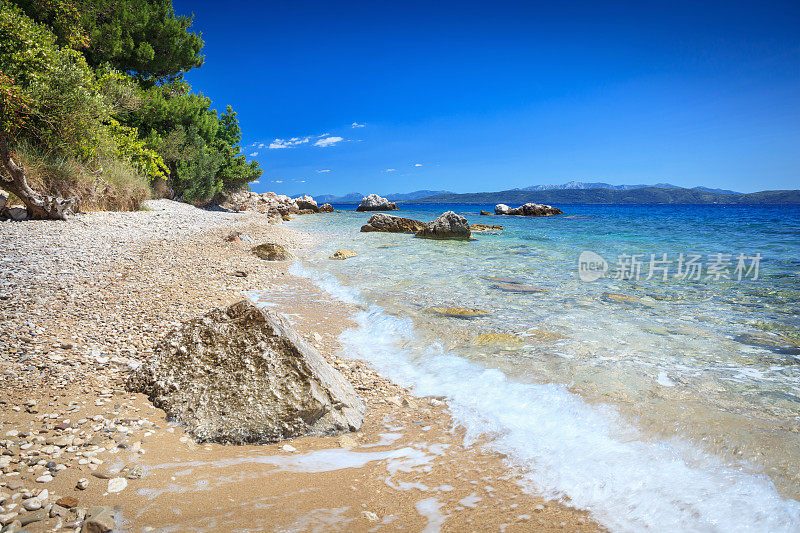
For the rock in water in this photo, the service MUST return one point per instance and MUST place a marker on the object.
(271, 252)
(242, 375)
(485, 213)
(449, 225)
(485, 227)
(392, 224)
(501, 209)
(343, 254)
(528, 210)
(326, 208)
(373, 202)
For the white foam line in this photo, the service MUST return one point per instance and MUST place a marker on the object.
(569, 448)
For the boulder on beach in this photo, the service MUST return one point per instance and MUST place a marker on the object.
(343, 254)
(528, 210)
(271, 252)
(449, 225)
(392, 224)
(306, 202)
(373, 202)
(242, 375)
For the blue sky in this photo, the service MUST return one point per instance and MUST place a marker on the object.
(482, 96)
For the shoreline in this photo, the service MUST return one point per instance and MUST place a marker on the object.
(122, 280)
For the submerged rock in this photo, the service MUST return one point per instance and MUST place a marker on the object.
(485, 227)
(392, 224)
(459, 312)
(373, 202)
(449, 225)
(242, 375)
(498, 339)
(517, 287)
(485, 213)
(777, 343)
(271, 252)
(343, 254)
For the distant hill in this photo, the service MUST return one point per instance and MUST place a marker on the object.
(601, 185)
(393, 197)
(643, 195)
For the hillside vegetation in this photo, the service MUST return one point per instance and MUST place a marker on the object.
(93, 105)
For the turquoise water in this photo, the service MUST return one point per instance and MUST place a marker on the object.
(654, 403)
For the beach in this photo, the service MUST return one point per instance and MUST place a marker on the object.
(85, 300)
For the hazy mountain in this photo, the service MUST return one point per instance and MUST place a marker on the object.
(643, 195)
(393, 197)
(601, 185)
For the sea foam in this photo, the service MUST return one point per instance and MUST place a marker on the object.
(568, 449)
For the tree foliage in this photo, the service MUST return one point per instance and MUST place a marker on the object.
(101, 80)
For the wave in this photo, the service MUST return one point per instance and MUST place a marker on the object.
(569, 450)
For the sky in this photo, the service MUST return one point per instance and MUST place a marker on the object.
(338, 97)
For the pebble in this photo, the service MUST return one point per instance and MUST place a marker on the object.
(82, 484)
(117, 484)
(47, 478)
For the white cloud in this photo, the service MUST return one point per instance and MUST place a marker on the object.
(323, 170)
(261, 145)
(357, 125)
(328, 141)
(254, 154)
(288, 143)
(417, 164)
(276, 181)
(256, 182)
(390, 170)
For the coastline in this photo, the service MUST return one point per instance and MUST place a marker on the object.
(87, 298)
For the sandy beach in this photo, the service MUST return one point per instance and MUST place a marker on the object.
(84, 301)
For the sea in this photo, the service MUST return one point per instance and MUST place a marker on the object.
(641, 362)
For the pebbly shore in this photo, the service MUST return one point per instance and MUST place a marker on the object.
(82, 302)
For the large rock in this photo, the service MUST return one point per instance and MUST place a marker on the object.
(306, 202)
(449, 225)
(528, 210)
(326, 208)
(392, 224)
(242, 375)
(271, 252)
(373, 202)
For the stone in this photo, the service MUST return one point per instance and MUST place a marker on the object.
(517, 287)
(99, 519)
(244, 376)
(343, 254)
(326, 208)
(271, 252)
(117, 484)
(136, 472)
(47, 478)
(82, 484)
(7, 518)
(347, 441)
(288, 448)
(370, 516)
(777, 343)
(528, 210)
(32, 504)
(485, 227)
(449, 225)
(68, 502)
(392, 224)
(373, 202)
(459, 312)
(306, 203)
(485, 213)
(506, 340)
(233, 237)
(37, 516)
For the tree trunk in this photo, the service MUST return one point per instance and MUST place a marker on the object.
(38, 206)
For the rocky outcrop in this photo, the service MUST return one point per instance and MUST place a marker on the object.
(373, 202)
(242, 375)
(267, 203)
(306, 202)
(485, 213)
(449, 225)
(271, 252)
(343, 254)
(528, 210)
(326, 208)
(486, 227)
(392, 224)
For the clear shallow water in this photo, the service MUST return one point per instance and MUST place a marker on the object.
(669, 404)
